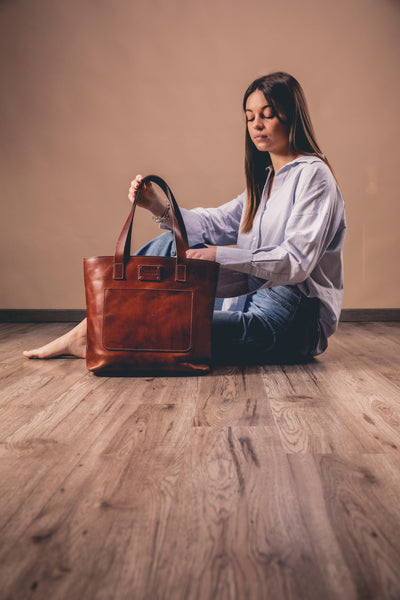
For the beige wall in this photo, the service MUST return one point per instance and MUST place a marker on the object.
(94, 91)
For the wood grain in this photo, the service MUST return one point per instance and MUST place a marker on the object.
(235, 519)
(233, 396)
(361, 518)
(274, 482)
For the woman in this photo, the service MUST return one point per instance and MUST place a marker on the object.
(283, 280)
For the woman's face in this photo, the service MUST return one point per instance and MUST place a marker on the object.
(266, 131)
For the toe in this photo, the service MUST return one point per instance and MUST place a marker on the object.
(30, 353)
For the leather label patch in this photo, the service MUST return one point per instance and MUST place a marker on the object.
(149, 273)
(147, 320)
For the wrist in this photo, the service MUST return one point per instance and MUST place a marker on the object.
(161, 218)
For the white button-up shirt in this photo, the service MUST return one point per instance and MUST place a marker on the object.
(296, 239)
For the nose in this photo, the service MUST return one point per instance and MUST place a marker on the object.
(258, 123)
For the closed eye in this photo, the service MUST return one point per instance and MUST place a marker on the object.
(264, 117)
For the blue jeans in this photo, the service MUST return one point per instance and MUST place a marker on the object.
(278, 325)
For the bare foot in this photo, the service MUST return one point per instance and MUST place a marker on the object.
(71, 343)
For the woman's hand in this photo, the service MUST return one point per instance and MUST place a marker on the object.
(203, 253)
(147, 194)
(149, 198)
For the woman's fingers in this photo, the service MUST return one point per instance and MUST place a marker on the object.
(148, 197)
(134, 187)
(209, 253)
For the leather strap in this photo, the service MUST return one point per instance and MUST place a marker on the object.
(123, 248)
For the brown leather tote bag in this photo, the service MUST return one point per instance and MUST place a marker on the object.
(149, 314)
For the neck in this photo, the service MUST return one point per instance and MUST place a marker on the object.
(280, 160)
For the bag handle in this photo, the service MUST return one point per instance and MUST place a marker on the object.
(123, 248)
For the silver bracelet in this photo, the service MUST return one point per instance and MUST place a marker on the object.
(164, 217)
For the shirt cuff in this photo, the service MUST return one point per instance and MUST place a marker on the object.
(237, 259)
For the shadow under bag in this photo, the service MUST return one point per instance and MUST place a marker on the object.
(149, 314)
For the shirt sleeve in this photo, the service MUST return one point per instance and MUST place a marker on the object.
(309, 230)
(215, 226)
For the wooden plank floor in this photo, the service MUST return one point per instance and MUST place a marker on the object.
(276, 482)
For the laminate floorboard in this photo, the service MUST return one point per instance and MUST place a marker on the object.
(277, 482)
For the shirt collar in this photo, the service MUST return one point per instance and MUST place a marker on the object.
(310, 158)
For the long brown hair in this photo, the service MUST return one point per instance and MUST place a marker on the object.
(284, 93)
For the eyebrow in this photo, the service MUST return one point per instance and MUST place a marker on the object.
(250, 110)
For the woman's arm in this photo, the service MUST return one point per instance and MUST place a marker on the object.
(214, 226)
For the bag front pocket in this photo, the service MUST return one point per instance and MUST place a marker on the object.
(139, 320)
